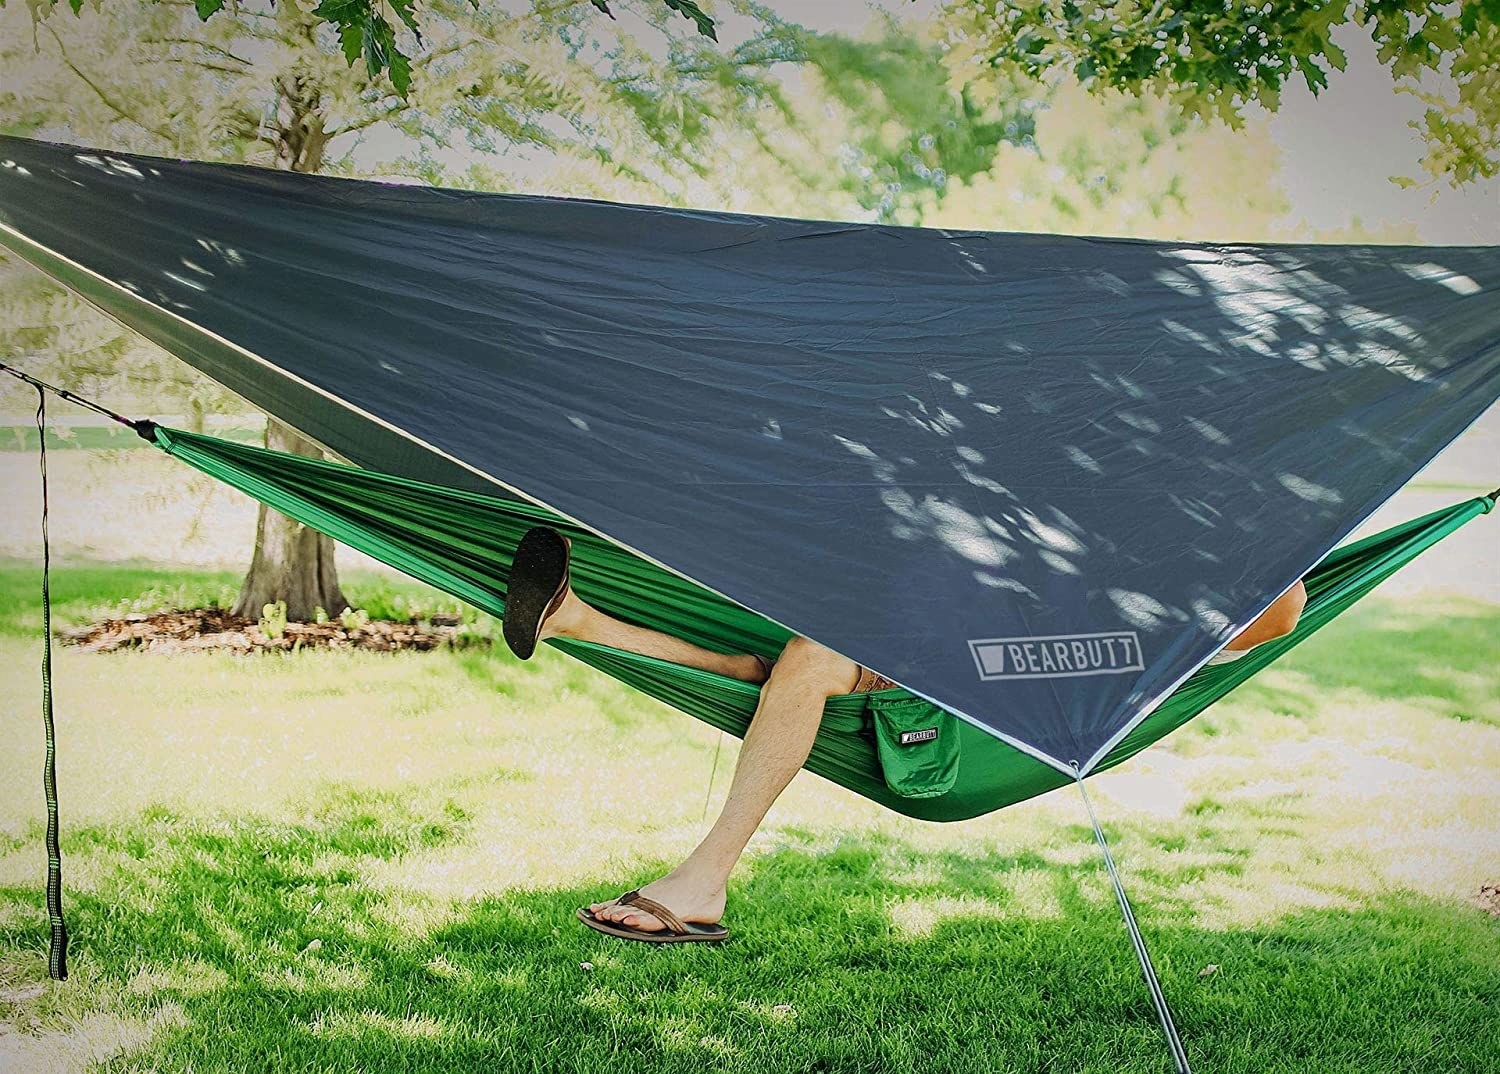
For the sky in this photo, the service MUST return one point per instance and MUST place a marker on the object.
(1339, 149)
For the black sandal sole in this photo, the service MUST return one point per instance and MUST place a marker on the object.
(538, 571)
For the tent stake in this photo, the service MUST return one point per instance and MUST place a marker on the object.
(1158, 997)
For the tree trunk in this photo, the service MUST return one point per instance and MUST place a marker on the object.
(292, 562)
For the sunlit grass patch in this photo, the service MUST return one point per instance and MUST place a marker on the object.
(360, 861)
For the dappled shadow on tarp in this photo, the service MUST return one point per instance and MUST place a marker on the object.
(896, 441)
(869, 955)
(1173, 476)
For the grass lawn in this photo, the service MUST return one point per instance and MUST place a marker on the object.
(358, 862)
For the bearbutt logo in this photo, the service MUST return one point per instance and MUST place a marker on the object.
(1058, 656)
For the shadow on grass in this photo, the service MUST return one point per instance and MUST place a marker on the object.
(871, 955)
(1424, 654)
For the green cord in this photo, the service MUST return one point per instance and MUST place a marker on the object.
(57, 951)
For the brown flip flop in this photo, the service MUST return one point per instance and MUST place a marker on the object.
(677, 930)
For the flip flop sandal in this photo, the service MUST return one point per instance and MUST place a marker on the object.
(538, 582)
(677, 930)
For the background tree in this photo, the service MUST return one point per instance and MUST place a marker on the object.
(60, 337)
(381, 33)
(880, 126)
(1218, 59)
(268, 84)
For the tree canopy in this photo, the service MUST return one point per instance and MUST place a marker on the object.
(1215, 58)
(384, 44)
(1221, 57)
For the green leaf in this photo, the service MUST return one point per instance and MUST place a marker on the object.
(603, 5)
(342, 12)
(689, 10)
(205, 8)
(406, 10)
(377, 39)
(351, 37)
(1315, 76)
(1440, 33)
(400, 68)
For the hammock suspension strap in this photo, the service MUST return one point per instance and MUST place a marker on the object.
(146, 429)
(57, 949)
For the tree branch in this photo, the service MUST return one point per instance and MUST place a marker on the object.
(224, 52)
(113, 106)
(370, 120)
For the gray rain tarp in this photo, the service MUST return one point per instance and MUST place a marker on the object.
(1036, 479)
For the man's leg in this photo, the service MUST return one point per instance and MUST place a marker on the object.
(779, 739)
(1276, 621)
(575, 619)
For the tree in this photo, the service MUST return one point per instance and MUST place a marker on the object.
(880, 126)
(1220, 58)
(865, 127)
(263, 83)
(365, 33)
(1114, 163)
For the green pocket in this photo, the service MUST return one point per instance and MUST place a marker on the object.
(918, 745)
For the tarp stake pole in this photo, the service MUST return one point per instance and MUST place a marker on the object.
(708, 794)
(1148, 971)
(57, 950)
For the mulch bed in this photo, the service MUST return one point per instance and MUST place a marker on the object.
(197, 629)
(1489, 899)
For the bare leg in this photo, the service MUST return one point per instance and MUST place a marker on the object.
(575, 619)
(779, 740)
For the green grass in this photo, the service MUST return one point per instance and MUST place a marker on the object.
(84, 592)
(343, 861)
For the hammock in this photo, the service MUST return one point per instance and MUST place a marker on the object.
(460, 542)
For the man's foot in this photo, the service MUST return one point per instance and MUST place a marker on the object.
(685, 898)
(537, 586)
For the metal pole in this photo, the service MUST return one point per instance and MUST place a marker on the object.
(1158, 997)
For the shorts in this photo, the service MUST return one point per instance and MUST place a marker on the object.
(868, 682)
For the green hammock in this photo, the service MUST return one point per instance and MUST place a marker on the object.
(460, 542)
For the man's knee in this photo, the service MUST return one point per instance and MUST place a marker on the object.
(806, 658)
(1280, 619)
